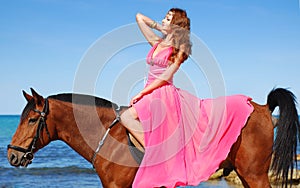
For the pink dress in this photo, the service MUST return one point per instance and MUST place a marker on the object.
(186, 138)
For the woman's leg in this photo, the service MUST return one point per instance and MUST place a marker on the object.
(130, 120)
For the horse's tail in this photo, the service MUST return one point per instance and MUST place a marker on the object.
(288, 128)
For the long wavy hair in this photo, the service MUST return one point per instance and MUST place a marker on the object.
(180, 25)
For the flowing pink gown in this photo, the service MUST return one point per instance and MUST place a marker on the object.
(186, 138)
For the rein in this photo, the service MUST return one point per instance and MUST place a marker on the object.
(42, 124)
(116, 109)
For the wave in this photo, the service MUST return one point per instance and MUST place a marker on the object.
(71, 176)
(47, 170)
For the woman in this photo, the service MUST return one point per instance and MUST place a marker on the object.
(185, 138)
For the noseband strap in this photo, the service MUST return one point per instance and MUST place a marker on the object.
(42, 124)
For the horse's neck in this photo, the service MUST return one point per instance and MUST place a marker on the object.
(81, 128)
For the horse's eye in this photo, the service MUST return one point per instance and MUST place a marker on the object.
(32, 120)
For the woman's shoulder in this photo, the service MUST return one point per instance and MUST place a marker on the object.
(156, 41)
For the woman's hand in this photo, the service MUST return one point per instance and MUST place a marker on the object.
(136, 98)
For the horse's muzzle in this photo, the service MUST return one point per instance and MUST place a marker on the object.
(20, 159)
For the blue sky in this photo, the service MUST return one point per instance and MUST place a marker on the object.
(255, 43)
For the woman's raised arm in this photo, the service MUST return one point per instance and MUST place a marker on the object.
(146, 25)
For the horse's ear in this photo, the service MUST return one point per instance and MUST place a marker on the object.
(36, 96)
(27, 96)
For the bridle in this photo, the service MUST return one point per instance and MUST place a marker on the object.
(29, 152)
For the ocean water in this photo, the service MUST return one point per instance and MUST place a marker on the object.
(55, 165)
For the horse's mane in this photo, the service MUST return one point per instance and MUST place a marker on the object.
(82, 99)
(72, 98)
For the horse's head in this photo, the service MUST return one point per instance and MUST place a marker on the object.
(32, 131)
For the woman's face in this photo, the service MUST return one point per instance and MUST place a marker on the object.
(166, 22)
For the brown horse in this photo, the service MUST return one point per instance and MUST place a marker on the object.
(81, 121)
